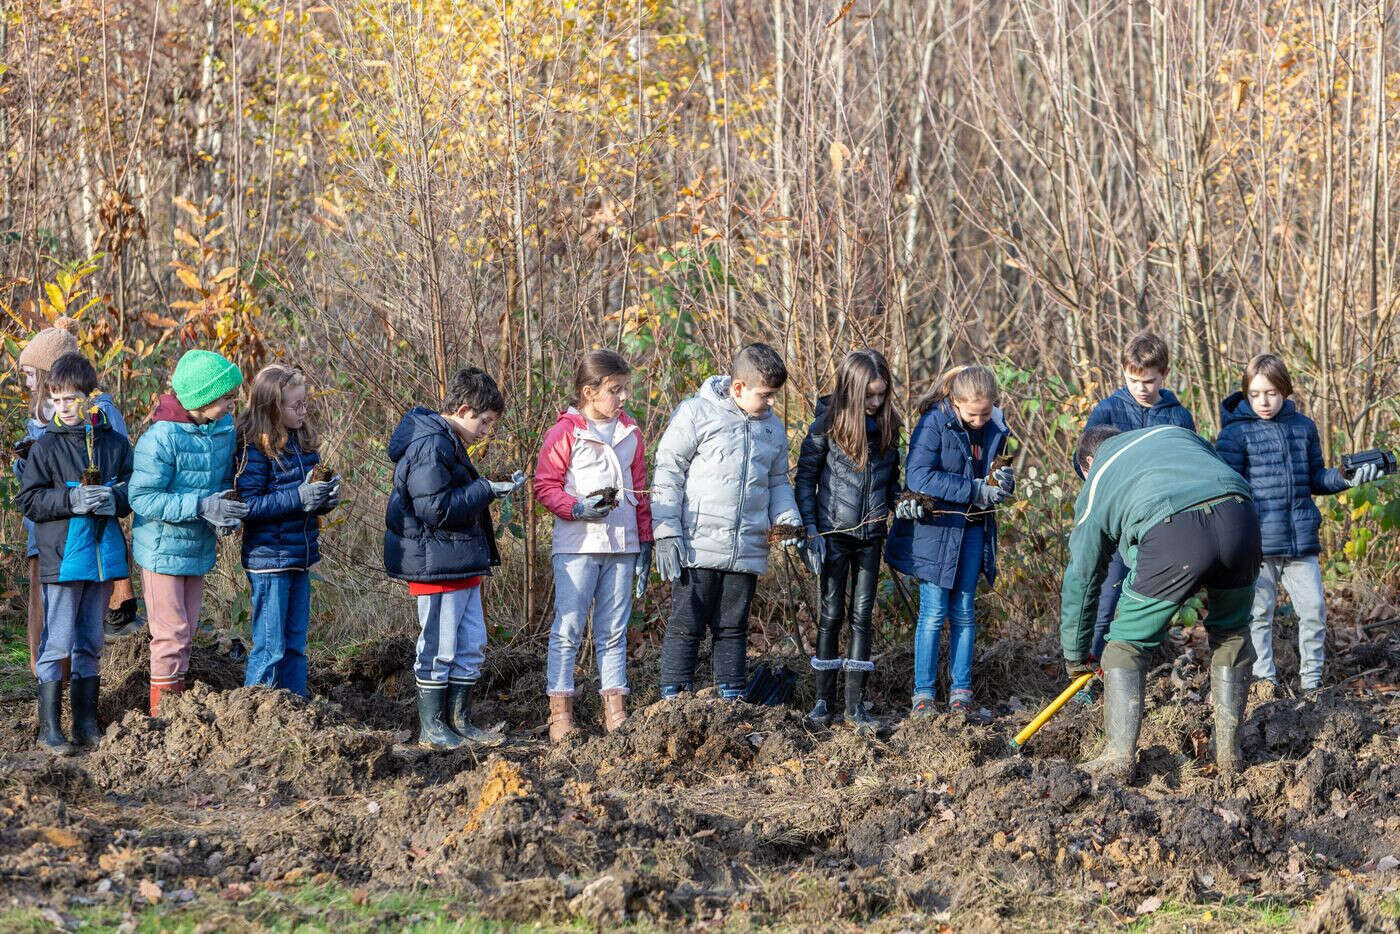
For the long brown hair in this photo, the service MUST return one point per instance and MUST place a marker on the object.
(261, 422)
(963, 384)
(596, 366)
(847, 412)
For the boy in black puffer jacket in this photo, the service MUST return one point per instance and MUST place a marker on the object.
(1276, 448)
(846, 487)
(439, 538)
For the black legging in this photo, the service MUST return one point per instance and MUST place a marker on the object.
(850, 572)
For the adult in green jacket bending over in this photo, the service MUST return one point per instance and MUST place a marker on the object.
(1182, 520)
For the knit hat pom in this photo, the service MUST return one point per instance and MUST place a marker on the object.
(65, 323)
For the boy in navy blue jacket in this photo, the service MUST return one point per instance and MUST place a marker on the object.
(439, 538)
(1143, 401)
(74, 489)
(1276, 448)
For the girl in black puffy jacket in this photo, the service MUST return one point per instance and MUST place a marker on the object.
(281, 536)
(847, 483)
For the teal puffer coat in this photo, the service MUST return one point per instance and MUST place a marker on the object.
(178, 463)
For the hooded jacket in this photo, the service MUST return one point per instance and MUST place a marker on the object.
(178, 463)
(76, 547)
(941, 465)
(1281, 458)
(34, 429)
(721, 481)
(575, 461)
(833, 493)
(437, 525)
(1125, 413)
(1138, 478)
(278, 534)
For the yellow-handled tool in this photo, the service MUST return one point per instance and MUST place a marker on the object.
(1053, 708)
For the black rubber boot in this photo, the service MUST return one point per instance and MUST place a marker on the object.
(84, 699)
(459, 716)
(433, 731)
(1122, 719)
(122, 621)
(825, 663)
(51, 738)
(1229, 688)
(857, 717)
(825, 679)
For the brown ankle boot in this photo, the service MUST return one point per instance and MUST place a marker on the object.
(614, 708)
(160, 690)
(561, 717)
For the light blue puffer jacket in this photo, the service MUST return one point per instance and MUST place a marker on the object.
(178, 463)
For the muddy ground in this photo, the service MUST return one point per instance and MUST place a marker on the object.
(701, 810)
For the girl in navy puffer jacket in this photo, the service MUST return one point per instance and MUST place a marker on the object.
(276, 454)
(1276, 448)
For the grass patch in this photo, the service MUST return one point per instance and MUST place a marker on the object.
(1236, 913)
(305, 908)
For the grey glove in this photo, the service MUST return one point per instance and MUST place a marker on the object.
(643, 569)
(668, 558)
(102, 499)
(503, 488)
(987, 497)
(222, 513)
(909, 509)
(334, 500)
(816, 551)
(1366, 473)
(79, 501)
(1006, 479)
(591, 508)
(315, 496)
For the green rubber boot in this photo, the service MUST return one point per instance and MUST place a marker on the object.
(1122, 719)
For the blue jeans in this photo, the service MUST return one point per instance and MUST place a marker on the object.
(955, 605)
(281, 613)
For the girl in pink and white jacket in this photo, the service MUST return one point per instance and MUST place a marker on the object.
(591, 474)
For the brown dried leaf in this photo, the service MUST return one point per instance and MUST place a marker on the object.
(149, 891)
(60, 837)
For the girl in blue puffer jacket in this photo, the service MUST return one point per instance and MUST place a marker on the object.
(1276, 448)
(281, 536)
(948, 540)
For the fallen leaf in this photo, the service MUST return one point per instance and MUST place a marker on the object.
(359, 896)
(149, 891)
(1148, 905)
(60, 837)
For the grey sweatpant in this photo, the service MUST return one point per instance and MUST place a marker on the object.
(1302, 578)
(601, 584)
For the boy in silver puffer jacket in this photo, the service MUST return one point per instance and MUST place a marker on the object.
(721, 482)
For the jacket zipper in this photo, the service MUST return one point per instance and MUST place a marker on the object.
(743, 495)
(1288, 470)
(865, 507)
(307, 519)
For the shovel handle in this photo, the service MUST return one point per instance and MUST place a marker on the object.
(1053, 708)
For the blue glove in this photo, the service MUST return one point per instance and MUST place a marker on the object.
(643, 569)
(815, 552)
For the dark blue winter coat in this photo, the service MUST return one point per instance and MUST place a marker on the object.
(1281, 457)
(76, 547)
(940, 464)
(278, 534)
(438, 521)
(1124, 412)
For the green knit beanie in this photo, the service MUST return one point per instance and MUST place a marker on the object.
(203, 376)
